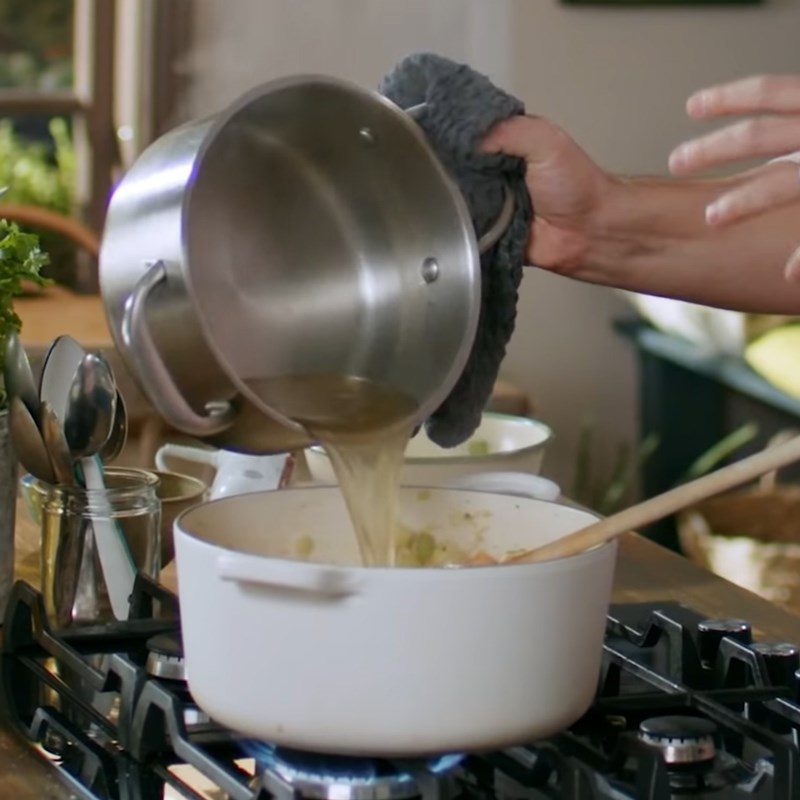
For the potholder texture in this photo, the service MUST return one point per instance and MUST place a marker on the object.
(461, 106)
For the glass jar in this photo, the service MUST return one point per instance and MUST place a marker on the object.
(73, 584)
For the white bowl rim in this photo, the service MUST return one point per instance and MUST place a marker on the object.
(486, 458)
(559, 562)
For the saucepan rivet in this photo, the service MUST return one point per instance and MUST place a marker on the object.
(367, 136)
(430, 269)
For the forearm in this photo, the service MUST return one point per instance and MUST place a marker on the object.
(650, 235)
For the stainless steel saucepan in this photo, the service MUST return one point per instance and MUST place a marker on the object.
(307, 230)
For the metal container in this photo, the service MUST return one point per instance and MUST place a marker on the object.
(307, 230)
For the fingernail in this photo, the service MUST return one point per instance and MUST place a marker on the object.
(716, 211)
(792, 269)
(677, 158)
(697, 104)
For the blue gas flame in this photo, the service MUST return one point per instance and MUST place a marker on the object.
(320, 765)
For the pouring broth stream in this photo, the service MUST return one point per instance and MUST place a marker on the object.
(364, 428)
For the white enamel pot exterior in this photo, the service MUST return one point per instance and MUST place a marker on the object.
(338, 658)
(334, 657)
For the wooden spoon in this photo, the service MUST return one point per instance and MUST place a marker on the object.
(662, 505)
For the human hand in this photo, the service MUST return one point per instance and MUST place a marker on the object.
(774, 131)
(566, 188)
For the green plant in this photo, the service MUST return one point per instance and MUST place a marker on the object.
(609, 494)
(21, 260)
(722, 450)
(32, 174)
(612, 493)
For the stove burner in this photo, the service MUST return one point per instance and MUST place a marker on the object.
(165, 657)
(287, 773)
(111, 730)
(682, 740)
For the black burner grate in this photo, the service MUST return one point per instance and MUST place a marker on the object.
(115, 732)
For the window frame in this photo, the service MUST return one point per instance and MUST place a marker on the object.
(124, 91)
(89, 103)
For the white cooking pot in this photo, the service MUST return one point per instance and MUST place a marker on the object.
(335, 657)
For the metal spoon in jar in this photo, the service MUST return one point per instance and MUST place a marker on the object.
(119, 433)
(58, 373)
(90, 409)
(28, 442)
(72, 537)
(119, 426)
(57, 448)
(18, 375)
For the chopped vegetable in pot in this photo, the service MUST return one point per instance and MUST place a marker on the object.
(478, 447)
(421, 549)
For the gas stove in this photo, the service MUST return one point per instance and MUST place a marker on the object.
(686, 707)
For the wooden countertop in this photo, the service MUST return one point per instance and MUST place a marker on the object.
(56, 311)
(647, 572)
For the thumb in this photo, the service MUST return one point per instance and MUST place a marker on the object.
(522, 136)
(792, 270)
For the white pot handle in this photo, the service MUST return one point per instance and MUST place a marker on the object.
(197, 455)
(518, 484)
(287, 575)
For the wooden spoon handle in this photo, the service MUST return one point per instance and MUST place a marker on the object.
(662, 505)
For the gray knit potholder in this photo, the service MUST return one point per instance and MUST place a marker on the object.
(461, 106)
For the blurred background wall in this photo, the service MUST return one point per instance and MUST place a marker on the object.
(615, 78)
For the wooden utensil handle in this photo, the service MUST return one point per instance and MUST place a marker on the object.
(662, 505)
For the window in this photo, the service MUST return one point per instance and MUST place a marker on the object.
(56, 59)
(105, 67)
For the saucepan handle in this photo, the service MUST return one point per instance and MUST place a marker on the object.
(162, 391)
(498, 228)
(287, 575)
(491, 237)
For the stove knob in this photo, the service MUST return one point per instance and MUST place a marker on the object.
(710, 632)
(781, 660)
(682, 740)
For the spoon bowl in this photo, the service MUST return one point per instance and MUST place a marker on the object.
(18, 375)
(28, 442)
(119, 433)
(58, 373)
(91, 407)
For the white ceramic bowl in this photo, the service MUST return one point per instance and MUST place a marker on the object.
(501, 443)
